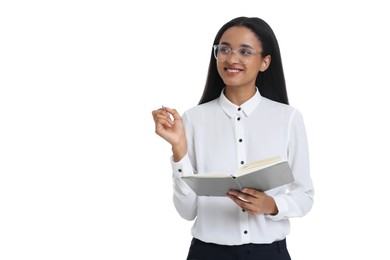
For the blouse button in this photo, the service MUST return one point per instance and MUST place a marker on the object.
(238, 118)
(239, 109)
(240, 140)
(245, 232)
(242, 162)
(180, 170)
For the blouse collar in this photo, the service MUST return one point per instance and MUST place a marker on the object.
(248, 107)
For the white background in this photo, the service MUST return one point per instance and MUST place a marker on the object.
(82, 173)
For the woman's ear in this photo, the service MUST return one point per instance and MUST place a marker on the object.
(265, 63)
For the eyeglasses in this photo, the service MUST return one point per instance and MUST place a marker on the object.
(243, 55)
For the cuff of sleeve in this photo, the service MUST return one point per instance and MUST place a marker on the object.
(282, 206)
(182, 167)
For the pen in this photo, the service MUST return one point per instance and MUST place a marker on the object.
(170, 116)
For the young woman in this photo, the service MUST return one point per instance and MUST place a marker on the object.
(243, 116)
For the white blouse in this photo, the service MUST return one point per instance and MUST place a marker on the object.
(221, 137)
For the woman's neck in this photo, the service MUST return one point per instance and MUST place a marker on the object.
(238, 95)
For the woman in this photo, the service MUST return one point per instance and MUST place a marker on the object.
(243, 116)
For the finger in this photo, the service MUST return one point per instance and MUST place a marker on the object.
(165, 111)
(252, 192)
(241, 203)
(173, 112)
(161, 113)
(241, 195)
(246, 206)
(162, 121)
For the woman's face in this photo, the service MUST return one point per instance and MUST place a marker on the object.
(239, 57)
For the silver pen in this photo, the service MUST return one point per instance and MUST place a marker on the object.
(170, 116)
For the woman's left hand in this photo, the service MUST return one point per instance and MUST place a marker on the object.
(253, 201)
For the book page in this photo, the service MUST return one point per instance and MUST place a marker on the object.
(257, 165)
(268, 178)
(211, 175)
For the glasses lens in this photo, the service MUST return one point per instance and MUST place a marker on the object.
(221, 53)
(241, 55)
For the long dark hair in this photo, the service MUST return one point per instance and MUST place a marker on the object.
(271, 83)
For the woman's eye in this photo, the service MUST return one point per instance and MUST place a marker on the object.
(224, 49)
(245, 52)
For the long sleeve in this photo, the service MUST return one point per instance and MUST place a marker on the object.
(299, 199)
(184, 198)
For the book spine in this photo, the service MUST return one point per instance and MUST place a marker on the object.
(238, 182)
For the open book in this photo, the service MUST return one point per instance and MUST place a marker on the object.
(261, 175)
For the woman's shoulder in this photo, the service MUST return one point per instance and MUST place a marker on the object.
(268, 103)
(279, 109)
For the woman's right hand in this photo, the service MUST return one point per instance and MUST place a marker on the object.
(169, 126)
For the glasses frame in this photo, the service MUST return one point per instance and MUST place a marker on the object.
(237, 56)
